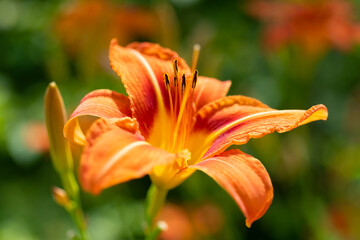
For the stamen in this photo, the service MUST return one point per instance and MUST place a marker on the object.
(183, 84)
(176, 72)
(195, 56)
(168, 88)
(180, 121)
(167, 81)
(181, 106)
(194, 81)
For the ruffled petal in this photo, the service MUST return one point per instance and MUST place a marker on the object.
(115, 152)
(209, 89)
(236, 119)
(244, 178)
(101, 103)
(141, 67)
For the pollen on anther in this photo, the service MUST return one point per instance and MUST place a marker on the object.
(194, 81)
(176, 70)
(167, 81)
(183, 83)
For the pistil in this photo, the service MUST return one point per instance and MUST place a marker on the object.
(195, 57)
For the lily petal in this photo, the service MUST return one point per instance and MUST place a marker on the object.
(115, 153)
(101, 103)
(141, 67)
(210, 89)
(244, 178)
(236, 119)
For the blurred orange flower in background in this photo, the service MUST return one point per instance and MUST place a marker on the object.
(207, 219)
(342, 218)
(84, 29)
(191, 222)
(314, 26)
(178, 222)
(98, 21)
(35, 137)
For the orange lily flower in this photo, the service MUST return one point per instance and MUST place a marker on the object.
(173, 123)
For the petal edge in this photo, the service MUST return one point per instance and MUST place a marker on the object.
(102, 103)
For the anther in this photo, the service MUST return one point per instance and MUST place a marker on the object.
(194, 81)
(176, 71)
(183, 84)
(167, 81)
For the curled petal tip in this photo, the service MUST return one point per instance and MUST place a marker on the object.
(325, 112)
(317, 112)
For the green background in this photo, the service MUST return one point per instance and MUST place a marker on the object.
(315, 169)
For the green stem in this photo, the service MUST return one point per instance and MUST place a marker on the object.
(72, 189)
(154, 201)
(78, 218)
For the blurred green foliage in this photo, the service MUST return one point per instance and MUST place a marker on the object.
(315, 169)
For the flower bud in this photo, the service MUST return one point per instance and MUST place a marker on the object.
(55, 117)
